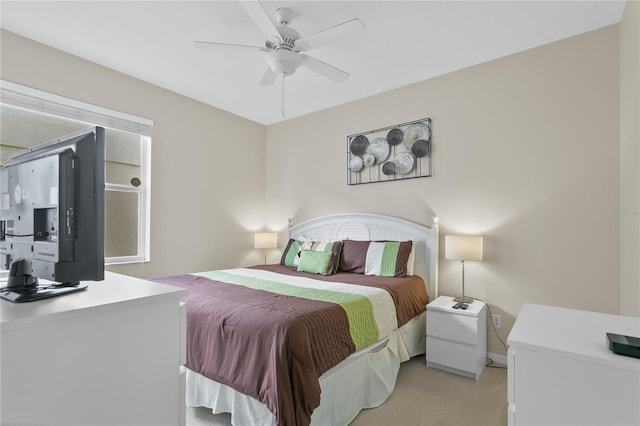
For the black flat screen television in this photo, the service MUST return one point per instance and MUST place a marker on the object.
(52, 218)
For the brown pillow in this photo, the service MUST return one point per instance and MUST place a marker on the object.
(354, 256)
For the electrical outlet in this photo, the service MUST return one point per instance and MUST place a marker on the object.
(497, 321)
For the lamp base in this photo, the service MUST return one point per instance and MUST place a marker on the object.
(465, 300)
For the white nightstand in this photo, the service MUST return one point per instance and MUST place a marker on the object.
(457, 338)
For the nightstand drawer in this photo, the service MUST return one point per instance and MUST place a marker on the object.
(465, 358)
(458, 328)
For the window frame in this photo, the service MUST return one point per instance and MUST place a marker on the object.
(39, 101)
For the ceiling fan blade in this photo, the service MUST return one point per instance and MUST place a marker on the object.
(324, 69)
(330, 35)
(268, 78)
(227, 46)
(255, 10)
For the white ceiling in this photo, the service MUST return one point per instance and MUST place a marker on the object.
(403, 43)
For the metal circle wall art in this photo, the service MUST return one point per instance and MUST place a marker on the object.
(415, 132)
(379, 148)
(394, 137)
(359, 145)
(398, 152)
(404, 163)
(355, 165)
(420, 148)
(389, 168)
(368, 159)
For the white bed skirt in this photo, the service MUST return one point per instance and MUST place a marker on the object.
(364, 380)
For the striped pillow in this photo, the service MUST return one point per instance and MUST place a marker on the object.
(387, 259)
(381, 258)
(291, 254)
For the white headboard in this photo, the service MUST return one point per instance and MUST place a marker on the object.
(371, 226)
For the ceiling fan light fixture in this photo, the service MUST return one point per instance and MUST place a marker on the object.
(284, 61)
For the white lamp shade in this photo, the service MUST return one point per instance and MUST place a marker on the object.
(266, 240)
(462, 247)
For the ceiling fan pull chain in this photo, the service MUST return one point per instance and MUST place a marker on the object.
(282, 96)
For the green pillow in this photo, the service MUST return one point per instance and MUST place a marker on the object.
(315, 262)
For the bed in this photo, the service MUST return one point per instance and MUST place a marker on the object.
(315, 339)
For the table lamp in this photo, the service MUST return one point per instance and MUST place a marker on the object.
(463, 247)
(265, 241)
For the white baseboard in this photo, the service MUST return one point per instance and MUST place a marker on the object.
(498, 359)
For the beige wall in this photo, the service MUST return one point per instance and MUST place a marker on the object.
(630, 160)
(207, 170)
(525, 152)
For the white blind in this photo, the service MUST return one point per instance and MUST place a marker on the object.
(37, 100)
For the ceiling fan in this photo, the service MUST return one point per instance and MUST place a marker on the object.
(284, 45)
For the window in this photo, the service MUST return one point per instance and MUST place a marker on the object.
(29, 117)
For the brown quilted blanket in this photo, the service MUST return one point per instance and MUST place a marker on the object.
(274, 347)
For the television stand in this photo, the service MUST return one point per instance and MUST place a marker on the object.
(30, 293)
(70, 361)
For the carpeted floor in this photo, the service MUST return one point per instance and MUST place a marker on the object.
(423, 396)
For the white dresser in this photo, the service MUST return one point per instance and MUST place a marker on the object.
(108, 355)
(457, 338)
(561, 372)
